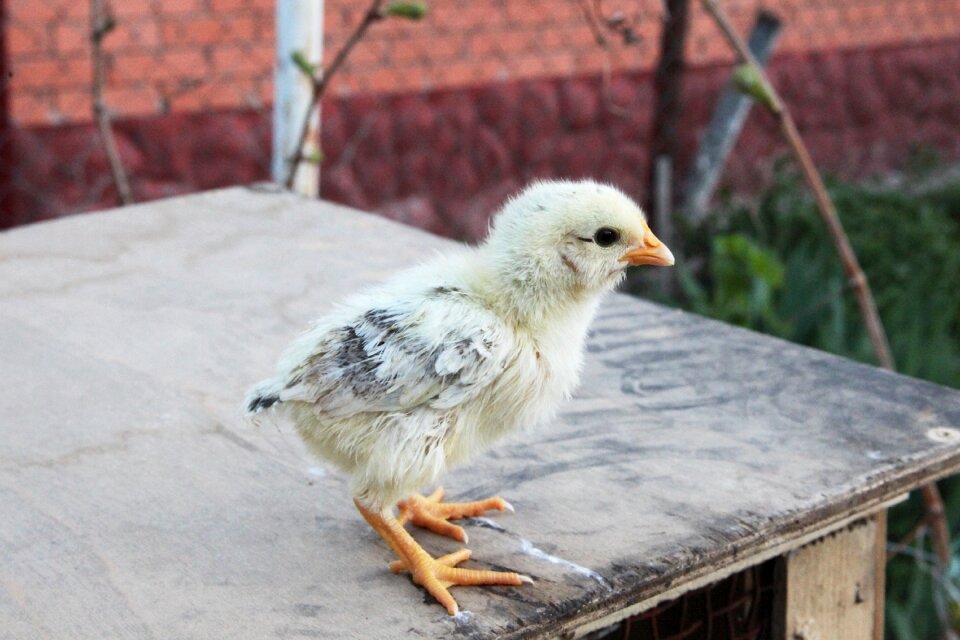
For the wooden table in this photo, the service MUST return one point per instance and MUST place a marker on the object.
(136, 502)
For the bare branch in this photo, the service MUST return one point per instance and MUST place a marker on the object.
(616, 24)
(825, 206)
(591, 17)
(322, 80)
(933, 502)
(101, 24)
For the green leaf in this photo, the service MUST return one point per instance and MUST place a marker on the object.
(749, 82)
(408, 10)
(303, 64)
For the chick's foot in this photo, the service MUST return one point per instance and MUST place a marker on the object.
(433, 514)
(436, 575)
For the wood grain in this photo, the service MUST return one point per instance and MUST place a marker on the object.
(135, 501)
(832, 586)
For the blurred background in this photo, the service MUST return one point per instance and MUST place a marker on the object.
(434, 122)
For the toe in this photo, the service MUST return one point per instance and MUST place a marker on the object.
(455, 510)
(478, 577)
(440, 526)
(449, 560)
(443, 596)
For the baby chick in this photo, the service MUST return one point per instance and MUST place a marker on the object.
(438, 363)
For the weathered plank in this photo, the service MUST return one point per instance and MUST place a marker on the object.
(136, 502)
(833, 585)
(778, 547)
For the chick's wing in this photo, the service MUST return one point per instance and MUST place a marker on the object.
(437, 350)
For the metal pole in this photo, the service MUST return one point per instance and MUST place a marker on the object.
(728, 119)
(299, 28)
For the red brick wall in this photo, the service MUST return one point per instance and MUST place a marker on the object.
(185, 55)
(435, 122)
(444, 159)
(6, 144)
(170, 55)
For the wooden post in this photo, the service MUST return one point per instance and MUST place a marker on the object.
(667, 88)
(299, 28)
(663, 216)
(834, 586)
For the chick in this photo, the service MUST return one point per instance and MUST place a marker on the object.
(435, 365)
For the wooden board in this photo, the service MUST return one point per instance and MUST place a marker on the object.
(136, 502)
(834, 585)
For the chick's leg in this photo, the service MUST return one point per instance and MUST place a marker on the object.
(436, 575)
(431, 513)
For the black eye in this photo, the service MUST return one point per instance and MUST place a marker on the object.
(605, 236)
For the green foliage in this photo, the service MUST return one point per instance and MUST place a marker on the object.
(776, 258)
(770, 266)
(408, 10)
(744, 277)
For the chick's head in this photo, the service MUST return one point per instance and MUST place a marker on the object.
(576, 236)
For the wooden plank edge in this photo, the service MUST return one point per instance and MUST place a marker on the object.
(736, 566)
(878, 488)
(829, 586)
(880, 587)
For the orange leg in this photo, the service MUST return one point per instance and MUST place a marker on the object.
(435, 575)
(435, 515)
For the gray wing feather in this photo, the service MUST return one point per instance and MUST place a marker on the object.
(439, 353)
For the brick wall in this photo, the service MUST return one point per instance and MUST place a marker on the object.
(434, 123)
(185, 55)
(170, 55)
(446, 159)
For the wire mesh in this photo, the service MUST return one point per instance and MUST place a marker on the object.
(739, 607)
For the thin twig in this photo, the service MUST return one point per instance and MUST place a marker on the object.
(936, 519)
(322, 80)
(933, 502)
(101, 23)
(616, 25)
(591, 18)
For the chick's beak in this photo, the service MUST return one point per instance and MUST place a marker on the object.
(652, 251)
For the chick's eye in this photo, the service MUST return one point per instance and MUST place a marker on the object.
(605, 236)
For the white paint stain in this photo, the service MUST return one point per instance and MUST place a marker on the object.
(317, 472)
(527, 548)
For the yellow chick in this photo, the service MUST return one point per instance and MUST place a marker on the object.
(435, 365)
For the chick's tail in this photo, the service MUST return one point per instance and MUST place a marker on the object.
(261, 396)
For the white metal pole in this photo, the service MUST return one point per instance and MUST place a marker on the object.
(299, 28)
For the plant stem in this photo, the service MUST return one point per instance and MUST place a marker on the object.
(933, 502)
(101, 22)
(322, 79)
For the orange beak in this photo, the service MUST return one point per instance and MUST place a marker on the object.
(652, 251)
